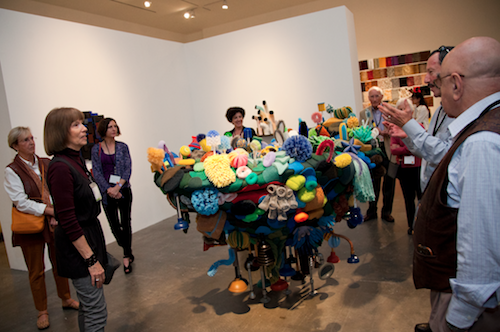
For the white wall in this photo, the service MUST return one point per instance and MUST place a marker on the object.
(157, 89)
(293, 64)
(139, 81)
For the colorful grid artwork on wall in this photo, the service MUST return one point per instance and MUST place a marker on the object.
(395, 75)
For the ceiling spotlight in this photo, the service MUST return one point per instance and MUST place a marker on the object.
(224, 5)
(189, 14)
(147, 4)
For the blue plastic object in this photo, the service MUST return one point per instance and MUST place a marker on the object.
(181, 224)
(353, 259)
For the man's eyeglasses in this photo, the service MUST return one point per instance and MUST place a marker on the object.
(438, 82)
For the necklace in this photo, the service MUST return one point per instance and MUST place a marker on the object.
(109, 151)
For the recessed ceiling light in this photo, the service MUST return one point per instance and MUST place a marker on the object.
(224, 5)
(147, 4)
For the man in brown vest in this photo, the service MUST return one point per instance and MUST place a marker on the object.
(457, 232)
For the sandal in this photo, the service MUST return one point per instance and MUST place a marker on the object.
(73, 305)
(43, 321)
(128, 269)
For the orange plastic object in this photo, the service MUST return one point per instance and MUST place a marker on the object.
(237, 286)
(301, 217)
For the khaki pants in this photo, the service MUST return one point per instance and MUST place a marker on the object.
(34, 258)
(488, 321)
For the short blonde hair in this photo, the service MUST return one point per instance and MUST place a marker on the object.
(14, 134)
(56, 129)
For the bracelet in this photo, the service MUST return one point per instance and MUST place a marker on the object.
(91, 260)
(118, 183)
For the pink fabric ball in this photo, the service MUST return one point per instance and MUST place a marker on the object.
(239, 160)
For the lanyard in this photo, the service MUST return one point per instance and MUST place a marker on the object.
(436, 128)
(375, 119)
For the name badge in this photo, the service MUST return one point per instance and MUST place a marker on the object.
(409, 160)
(113, 179)
(95, 191)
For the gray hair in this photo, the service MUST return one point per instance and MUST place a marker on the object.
(14, 134)
(376, 88)
(402, 100)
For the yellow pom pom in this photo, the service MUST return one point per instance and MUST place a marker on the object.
(218, 170)
(352, 122)
(343, 160)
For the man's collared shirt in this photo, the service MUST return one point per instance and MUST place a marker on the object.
(474, 188)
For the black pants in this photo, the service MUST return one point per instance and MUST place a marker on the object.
(388, 192)
(121, 227)
(409, 179)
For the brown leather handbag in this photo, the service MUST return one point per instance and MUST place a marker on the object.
(26, 223)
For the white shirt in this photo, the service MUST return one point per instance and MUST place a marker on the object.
(15, 189)
(474, 188)
(421, 115)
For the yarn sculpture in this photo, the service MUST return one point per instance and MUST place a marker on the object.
(298, 147)
(280, 197)
(218, 170)
(205, 201)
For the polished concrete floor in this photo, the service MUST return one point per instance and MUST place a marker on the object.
(169, 289)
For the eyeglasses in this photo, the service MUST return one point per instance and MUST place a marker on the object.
(438, 82)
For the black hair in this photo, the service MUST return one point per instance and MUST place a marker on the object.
(443, 51)
(102, 127)
(421, 98)
(232, 111)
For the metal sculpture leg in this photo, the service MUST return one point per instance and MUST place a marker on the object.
(250, 283)
(265, 298)
(312, 260)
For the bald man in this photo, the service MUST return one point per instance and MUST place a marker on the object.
(457, 232)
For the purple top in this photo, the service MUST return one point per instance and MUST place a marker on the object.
(123, 167)
(108, 165)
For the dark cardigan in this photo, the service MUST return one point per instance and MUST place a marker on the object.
(76, 210)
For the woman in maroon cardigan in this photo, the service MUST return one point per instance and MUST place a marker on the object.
(408, 174)
(81, 249)
(26, 186)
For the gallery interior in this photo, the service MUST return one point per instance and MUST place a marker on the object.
(168, 81)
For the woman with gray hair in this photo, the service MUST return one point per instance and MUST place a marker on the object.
(26, 185)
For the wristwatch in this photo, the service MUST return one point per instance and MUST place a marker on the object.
(454, 328)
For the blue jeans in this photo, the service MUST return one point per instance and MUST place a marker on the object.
(93, 314)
